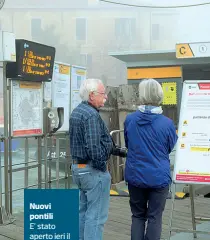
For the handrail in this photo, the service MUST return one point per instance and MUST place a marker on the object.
(116, 131)
(116, 169)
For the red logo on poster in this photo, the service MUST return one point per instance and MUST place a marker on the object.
(204, 86)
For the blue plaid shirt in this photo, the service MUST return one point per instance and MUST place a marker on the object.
(89, 137)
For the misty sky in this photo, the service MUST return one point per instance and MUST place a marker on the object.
(170, 27)
(72, 3)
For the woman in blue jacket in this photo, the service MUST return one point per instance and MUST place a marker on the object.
(149, 137)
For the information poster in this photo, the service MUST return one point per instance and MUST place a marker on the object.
(27, 108)
(192, 161)
(170, 93)
(61, 91)
(78, 75)
(51, 214)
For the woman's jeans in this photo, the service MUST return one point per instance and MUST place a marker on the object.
(147, 205)
(94, 188)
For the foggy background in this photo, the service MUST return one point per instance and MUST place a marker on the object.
(85, 31)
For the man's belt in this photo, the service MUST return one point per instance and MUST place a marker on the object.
(80, 162)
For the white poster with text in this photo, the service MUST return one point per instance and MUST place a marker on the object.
(192, 161)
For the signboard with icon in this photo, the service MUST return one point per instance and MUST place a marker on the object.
(170, 93)
(34, 62)
(193, 50)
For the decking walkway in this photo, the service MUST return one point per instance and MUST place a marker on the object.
(118, 225)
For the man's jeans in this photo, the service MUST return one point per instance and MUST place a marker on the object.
(94, 188)
(147, 204)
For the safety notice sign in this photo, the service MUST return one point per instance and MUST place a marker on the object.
(192, 161)
(170, 93)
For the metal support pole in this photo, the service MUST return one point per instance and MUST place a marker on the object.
(0, 176)
(57, 161)
(39, 160)
(172, 209)
(10, 144)
(118, 160)
(26, 163)
(68, 172)
(193, 210)
(67, 162)
(6, 148)
(46, 161)
(50, 163)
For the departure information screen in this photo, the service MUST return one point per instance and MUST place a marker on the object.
(34, 62)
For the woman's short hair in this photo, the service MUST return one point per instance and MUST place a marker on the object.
(150, 92)
(88, 86)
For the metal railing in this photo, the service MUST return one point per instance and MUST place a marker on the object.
(117, 164)
(46, 158)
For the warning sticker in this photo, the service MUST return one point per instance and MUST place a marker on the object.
(185, 123)
(182, 146)
(170, 93)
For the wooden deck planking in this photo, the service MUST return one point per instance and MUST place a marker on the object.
(120, 216)
(119, 222)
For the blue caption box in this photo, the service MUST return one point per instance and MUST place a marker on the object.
(51, 214)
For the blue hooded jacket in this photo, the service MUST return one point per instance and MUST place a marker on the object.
(150, 138)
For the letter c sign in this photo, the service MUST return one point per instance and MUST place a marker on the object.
(182, 50)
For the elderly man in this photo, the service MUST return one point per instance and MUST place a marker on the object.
(149, 137)
(91, 146)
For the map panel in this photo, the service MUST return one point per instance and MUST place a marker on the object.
(27, 108)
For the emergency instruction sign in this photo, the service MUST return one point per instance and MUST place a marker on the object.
(192, 160)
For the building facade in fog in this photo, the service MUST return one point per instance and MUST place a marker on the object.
(84, 32)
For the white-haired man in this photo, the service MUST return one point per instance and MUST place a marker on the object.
(91, 146)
